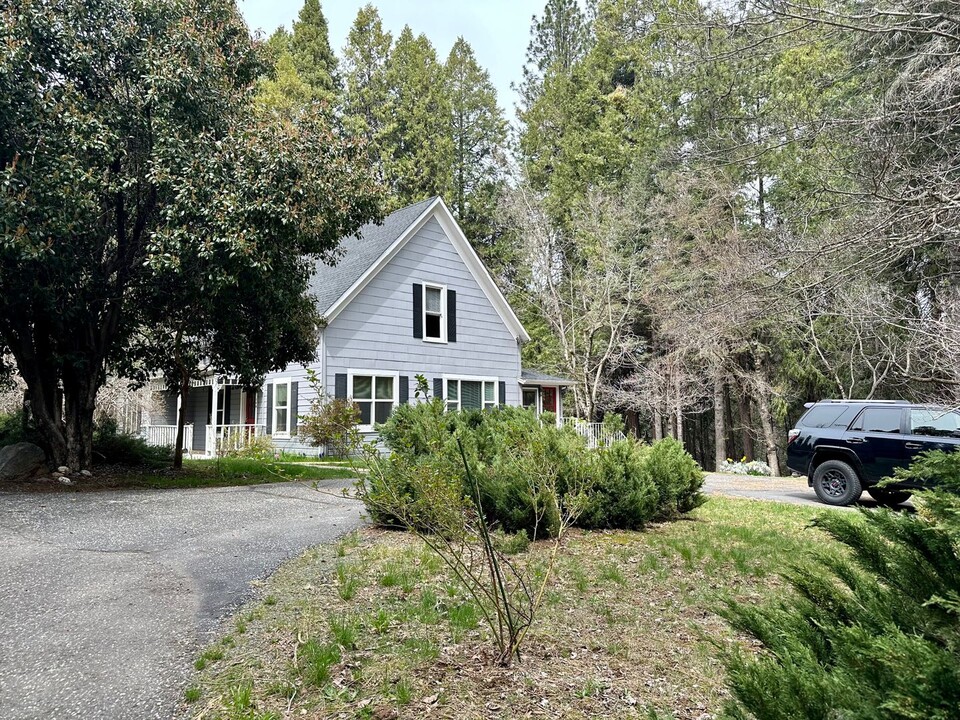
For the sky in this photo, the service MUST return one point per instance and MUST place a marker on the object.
(498, 30)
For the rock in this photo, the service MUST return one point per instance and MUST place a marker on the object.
(22, 461)
(63, 469)
(86, 473)
(64, 480)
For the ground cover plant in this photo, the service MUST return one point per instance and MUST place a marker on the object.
(377, 626)
(872, 634)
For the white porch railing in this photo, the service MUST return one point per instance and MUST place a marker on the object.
(224, 438)
(597, 434)
(166, 435)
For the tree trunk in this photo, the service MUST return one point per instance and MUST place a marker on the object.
(746, 425)
(719, 424)
(657, 425)
(79, 401)
(769, 438)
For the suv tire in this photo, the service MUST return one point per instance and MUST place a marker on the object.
(889, 496)
(836, 483)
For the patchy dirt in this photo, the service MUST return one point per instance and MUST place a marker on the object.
(627, 627)
(103, 477)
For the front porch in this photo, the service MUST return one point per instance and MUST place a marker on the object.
(221, 415)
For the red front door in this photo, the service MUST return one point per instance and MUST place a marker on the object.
(250, 411)
(549, 399)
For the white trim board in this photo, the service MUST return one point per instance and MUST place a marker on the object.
(463, 247)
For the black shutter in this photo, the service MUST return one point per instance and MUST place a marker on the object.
(417, 310)
(340, 386)
(226, 405)
(210, 406)
(269, 391)
(294, 387)
(438, 387)
(503, 392)
(451, 315)
(404, 394)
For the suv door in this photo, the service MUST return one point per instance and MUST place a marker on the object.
(930, 429)
(877, 439)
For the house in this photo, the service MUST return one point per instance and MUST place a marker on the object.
(409, 296)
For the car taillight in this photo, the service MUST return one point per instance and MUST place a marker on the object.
(792, 435)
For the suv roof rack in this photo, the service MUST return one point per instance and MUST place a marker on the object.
(878, 402)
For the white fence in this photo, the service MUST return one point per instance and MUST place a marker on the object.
(166, 435)
(597, 434)
(224, 438)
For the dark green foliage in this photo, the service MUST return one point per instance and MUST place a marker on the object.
(527, 472)
(624, 494)
(872, 634)
(111, 447)
(677, 477)
(13, 430)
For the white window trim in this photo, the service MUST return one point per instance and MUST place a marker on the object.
(277, 382)
(472, 378)
(443, 312)
(395, 374)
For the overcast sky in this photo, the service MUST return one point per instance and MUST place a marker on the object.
(498, 30)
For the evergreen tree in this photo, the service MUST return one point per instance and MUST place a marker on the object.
(313, 57)
(365, 58)
(559, 39)
(479, 135)
(416, 144)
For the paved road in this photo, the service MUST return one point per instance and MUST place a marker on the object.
(106, 597)
(791, 490)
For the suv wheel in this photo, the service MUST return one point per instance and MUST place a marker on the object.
(836, 483)
(889, 496)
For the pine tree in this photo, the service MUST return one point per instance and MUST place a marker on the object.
(365, 58)
(479, 134)
(312, 55)
(416, 143)
(558, 40)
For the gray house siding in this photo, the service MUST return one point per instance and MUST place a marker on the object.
(374, 332)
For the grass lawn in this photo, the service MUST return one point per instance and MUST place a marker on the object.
(237, 471)
(195, 474)
(375, 627)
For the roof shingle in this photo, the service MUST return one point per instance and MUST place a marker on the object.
(329, 283)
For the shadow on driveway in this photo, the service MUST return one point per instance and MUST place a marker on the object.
(792, 490)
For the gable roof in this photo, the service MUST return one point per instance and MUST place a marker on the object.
(363, 257)
(330, 282)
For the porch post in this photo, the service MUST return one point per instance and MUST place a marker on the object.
(212, 437)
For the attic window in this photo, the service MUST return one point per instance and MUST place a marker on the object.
(434, 312)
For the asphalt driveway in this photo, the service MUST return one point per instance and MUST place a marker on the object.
(793, 490)
(105, 597)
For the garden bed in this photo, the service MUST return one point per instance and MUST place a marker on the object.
(376, 627)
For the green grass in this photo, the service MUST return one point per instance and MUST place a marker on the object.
(376, 623)
(237, 471)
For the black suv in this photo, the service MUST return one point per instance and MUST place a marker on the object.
(846, 446)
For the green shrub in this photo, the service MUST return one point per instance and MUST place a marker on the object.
(525, 470)
(12, 430)
(623, 495)
(874, 633)
(111, 447)
(677, 477)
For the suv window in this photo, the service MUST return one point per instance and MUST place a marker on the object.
(939, 423)
(886, 420)
(822, 416)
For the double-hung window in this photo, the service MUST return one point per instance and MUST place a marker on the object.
(470, 393)
(281, 407)
(434, 313)
(374, 395)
